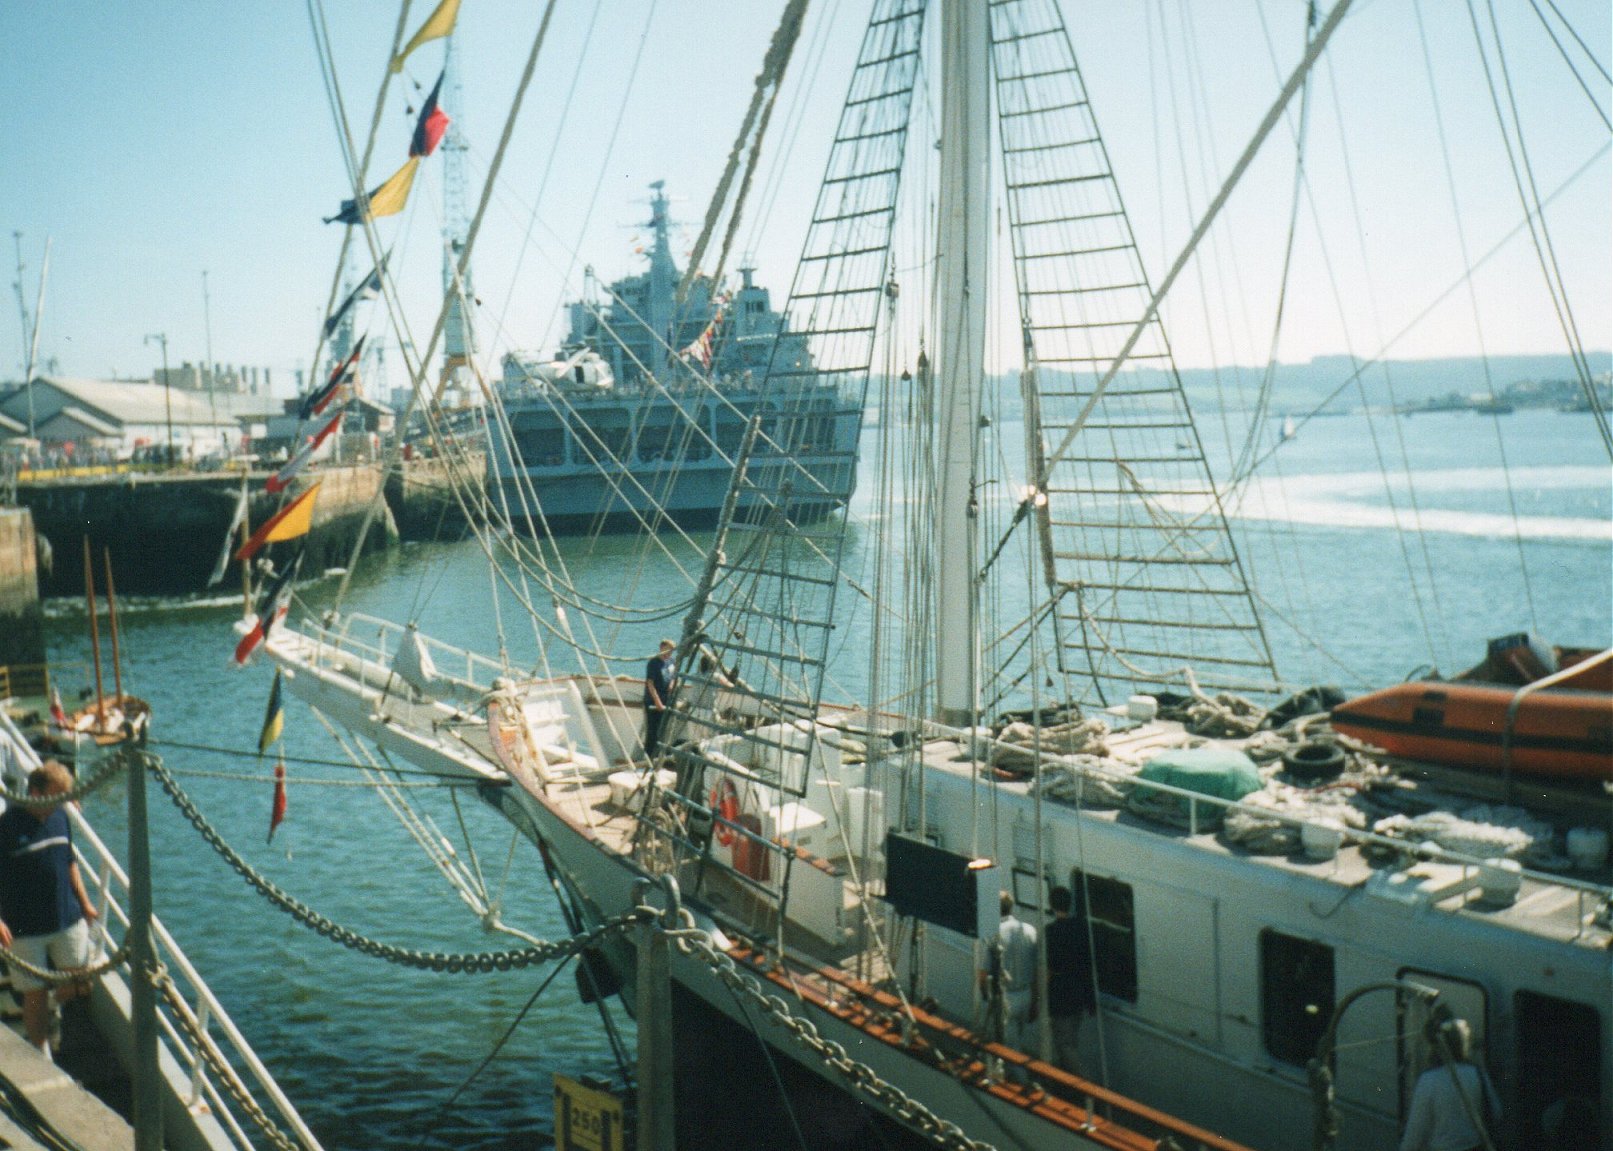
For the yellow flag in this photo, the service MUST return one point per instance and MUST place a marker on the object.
(389, 198)
(439, 24)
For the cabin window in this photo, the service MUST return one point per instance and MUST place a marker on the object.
(1114, 932)
(1296, 994)
(1559, 1067)
(543, 447)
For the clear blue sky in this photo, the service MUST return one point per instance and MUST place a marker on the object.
(153, 141)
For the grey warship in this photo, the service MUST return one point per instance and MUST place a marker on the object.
(640, 417)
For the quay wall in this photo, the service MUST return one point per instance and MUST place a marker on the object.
(165, 530)
(420, 493)
(22, 623)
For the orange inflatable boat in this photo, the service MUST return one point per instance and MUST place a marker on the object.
(1557, 726)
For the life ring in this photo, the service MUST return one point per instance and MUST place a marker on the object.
(725, 802)
(1314, 762)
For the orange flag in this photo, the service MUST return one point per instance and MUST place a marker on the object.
(288, 523)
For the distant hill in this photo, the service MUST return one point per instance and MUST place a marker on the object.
(1302, 387)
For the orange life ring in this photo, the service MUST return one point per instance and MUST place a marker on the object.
(727, 809)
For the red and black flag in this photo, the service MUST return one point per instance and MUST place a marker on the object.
(315, 402)
(433, 122)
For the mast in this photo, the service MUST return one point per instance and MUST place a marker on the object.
(95, 634)
(112, 616)
(960, 353)
(663, 275)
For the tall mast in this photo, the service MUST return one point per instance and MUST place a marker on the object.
(961, 350)
(459, 333)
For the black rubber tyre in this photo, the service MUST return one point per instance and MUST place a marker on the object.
(1314, 762)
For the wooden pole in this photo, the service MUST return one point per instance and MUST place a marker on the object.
(95, 634)
(112, 615)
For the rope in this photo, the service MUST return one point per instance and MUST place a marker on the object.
(474, 963)
(75, 975)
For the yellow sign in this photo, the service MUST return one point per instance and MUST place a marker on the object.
(586, 1119)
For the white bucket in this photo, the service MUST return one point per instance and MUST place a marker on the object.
(1499, 881)
(1321, 839)
(1587, 847)
(1142, 708)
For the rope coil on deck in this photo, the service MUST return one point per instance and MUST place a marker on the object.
(475, 963)
(861, 1076)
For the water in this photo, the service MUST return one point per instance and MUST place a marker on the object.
(372, 1053)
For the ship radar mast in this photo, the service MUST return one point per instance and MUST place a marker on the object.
(459, 333)
(663, 270)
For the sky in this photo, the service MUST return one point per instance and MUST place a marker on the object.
(154, 143)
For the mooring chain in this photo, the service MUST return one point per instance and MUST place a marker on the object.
(203, 1044)
(861, 1076)
(99, 778)
(475, 963)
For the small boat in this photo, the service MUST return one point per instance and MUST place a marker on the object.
(1512, 713)
(115, 718)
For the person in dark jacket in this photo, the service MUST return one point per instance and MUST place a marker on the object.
(660, 681)
(45, 912)
(1069, 978)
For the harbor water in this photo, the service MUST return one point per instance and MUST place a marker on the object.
(381, 1056)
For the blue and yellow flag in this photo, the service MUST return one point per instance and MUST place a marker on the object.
(274, 719)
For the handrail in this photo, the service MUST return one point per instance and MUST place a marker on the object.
(105, 877)
(177, 961)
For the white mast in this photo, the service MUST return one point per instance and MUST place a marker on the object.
(962, 232)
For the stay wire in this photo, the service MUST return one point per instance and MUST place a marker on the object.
(498, 1046)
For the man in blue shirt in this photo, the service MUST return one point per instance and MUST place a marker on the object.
(660, 680)
(44, 910)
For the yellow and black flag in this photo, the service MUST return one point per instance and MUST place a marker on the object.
(274, 718)
(386, 200)
(439, 24)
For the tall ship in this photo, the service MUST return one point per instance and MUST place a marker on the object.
(1031, 675)
(641, 415)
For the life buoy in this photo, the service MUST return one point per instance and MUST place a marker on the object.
(725, 802)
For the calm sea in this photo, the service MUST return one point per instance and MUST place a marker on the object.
(374, 1055)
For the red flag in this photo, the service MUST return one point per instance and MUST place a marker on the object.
(274, 608)
(432, 124)
(278, 811)
(58, 714)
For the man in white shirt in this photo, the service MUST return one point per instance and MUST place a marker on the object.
(1010, 984)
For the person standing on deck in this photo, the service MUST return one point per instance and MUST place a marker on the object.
(1454, 1100)
(1069, 978)
(660, 681)
(45, 911)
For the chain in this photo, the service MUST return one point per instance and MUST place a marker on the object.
(475, 963)
(862, 1077)
(75, 975)
(99, 778)
(208, 1050)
